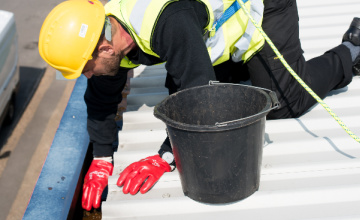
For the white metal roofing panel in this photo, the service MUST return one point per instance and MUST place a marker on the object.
(310, 166)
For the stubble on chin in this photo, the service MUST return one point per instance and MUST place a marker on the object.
(112, 65)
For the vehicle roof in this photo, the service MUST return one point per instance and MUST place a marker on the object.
(6, 20)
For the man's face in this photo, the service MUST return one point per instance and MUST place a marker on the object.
(102, 65)
(108, 55)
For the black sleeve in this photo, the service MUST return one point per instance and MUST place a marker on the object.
(102, 96)
(178, 40)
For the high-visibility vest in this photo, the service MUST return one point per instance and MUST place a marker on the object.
(237, 37)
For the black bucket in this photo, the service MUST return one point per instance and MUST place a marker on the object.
(217, 136)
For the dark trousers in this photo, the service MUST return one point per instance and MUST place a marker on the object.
(322, 74)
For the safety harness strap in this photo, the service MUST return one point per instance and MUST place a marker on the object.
(227, 14)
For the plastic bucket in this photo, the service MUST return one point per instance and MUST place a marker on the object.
(217, 136)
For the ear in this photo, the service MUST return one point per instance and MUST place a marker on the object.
(106, 50)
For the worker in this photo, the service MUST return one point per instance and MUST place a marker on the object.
(198, 45)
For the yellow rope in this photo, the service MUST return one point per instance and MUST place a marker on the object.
(292, 72)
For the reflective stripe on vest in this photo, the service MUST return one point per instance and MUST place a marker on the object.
(137, 14)
(242, 50)
(256, 11)
(217, 7)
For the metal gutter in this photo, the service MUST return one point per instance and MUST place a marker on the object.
(55, 193)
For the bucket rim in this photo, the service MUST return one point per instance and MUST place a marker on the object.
(219, 126)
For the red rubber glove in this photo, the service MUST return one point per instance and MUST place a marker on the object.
(149, 169)
(95, 182)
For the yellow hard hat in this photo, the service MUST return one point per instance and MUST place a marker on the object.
(70, 34)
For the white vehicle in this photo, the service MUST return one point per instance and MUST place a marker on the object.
(9, 69)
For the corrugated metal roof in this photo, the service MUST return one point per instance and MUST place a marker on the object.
(310, 167)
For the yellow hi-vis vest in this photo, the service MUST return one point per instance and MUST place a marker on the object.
(237, 37)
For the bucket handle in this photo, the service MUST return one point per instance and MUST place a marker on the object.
(272, 94)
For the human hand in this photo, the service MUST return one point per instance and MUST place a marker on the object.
(142, 174)
(95, 182)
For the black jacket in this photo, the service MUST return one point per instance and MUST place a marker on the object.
(178, 41)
